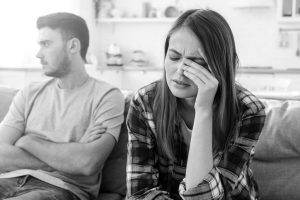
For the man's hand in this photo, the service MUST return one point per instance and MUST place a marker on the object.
(26, 140)
(93, 133)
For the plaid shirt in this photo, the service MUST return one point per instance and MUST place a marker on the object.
(150, 176)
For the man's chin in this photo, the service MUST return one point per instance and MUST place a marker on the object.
(48, 73)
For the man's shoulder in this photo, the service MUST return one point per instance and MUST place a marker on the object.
(34, 87)
(102, 85)
(101, 88)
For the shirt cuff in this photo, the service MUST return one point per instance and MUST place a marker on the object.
(210, 188)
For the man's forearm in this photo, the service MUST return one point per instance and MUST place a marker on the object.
(14, 158)
(72, 158)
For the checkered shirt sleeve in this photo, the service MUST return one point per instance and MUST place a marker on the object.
(231, 174)
(142, 175)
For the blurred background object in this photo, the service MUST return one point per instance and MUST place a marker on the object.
(139, 58)
(114, 55)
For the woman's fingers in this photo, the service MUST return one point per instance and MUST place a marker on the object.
(199, 71)
(198, 81)
(198, 68)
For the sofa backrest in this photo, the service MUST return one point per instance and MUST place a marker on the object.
(114, 171)
(6, 96)
(276, 164)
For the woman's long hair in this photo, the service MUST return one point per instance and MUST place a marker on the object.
(218, 44)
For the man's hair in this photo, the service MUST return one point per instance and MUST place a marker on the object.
(70, 25)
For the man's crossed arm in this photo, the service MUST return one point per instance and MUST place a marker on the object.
(32, 152)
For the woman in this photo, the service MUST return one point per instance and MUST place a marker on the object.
(192, 134)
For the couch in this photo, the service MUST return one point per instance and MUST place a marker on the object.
(276, 164)
(113, 185)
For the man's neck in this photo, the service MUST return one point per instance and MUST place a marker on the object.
(76, 78)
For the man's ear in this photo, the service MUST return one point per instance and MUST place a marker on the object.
(74, 45)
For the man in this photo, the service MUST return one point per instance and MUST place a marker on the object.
(57, 135)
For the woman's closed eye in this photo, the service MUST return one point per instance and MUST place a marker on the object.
(201, 62)
(174, 58)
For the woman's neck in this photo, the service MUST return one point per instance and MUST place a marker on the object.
(187, 111)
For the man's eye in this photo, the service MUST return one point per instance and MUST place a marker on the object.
(45, 44)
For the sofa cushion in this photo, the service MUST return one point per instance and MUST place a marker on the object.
(280, 136)
(277, 156)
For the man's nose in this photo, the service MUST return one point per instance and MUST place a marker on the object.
(38, 54)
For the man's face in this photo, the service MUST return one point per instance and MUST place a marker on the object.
(53, 53)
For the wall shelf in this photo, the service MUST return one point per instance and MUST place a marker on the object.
(267, 70)
(130, 68)
(241, 70)
(135, 20)
(244, 4)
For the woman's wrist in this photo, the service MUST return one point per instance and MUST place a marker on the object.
(203, 111)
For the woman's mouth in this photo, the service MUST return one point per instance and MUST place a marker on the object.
(181, 83)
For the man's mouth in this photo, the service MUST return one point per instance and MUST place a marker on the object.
(43, 63)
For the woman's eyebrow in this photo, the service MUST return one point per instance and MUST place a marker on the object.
(174, 51)
(195, 58)
(189, 57)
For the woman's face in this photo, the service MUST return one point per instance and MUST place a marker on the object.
(183, 44)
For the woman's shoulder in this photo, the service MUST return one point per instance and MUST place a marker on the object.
(249, 103)
(144, 97)
(147, 93)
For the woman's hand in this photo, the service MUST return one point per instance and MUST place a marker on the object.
(205, 81)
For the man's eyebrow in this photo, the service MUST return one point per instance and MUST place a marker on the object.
(43, 41)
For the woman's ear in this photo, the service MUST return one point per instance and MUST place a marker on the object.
(74, 45)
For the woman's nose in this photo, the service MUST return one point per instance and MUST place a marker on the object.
(180, 69)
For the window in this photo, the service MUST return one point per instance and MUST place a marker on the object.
(18, 37)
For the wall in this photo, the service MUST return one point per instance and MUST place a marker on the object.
(255, 30)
